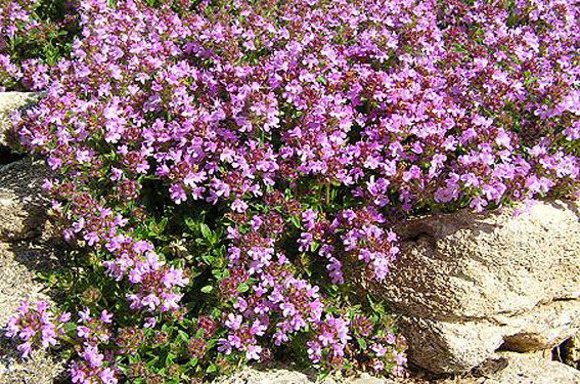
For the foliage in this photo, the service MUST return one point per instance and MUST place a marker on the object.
(229, 173)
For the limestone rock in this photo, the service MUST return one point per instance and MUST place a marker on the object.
(251, 375)
(10, 102)
(525, 369)
(22, 205)
(41, 368)
(570, 351)
(371, 380)
(278, 376)
(467, 284)
(18, 282)
(22, 214)
(544, 327)
(441, 347)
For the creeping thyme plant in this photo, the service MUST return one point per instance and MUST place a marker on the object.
(227, 172)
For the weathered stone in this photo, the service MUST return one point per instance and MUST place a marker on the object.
(371, 380)
(467, 284)
(288, 376)
(525, 369)
(22, 214)
(441, 347)
(570, 351)
(40, 368)
(9, 103)
(22, 205)
(18, 282)
(255, 376)
(544, 327)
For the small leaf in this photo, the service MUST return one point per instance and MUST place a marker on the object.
(69, 327)
(211, 368)
(184, 336)
(205, 231)
(169, 359)
(362, 344)
(207, 289)
(296, 221)
(191, 224)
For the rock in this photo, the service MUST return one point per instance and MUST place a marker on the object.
(41, 368)
(371, 380)
(9, 103)
(443, 347)
(251, 375)
(274, 376)
(525, 369)
(22, 205)
(22, 217)
(570, 351)
(18, 279)
(544, 327)
(18, 283)
(467, 284)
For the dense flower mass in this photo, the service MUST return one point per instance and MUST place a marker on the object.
(231, 168)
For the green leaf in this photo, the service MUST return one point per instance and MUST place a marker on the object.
(207, 289)
(191, 224)
(314, 246)
(243, 288)
(212, 368)
(169, 359)
(205, 231)
(69, 327)
(207, 258)
(151, 363)
(296, 221)
(162, 224)
(184, 336)
(362, 344)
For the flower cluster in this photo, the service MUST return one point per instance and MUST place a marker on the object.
(35, 327)
(12, 14)
(91, 369)
(245, 162)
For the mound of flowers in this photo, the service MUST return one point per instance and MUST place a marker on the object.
(226, 172)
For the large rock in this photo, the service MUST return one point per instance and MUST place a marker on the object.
(517, 368)
(22, 204)
(468, 284)
(9, 103)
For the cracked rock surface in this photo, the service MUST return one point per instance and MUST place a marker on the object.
(23, 252)
(524, 368)
(467, 284)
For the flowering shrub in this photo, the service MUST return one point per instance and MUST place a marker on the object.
(228, 171)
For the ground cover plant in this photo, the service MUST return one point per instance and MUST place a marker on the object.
(228, 172)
